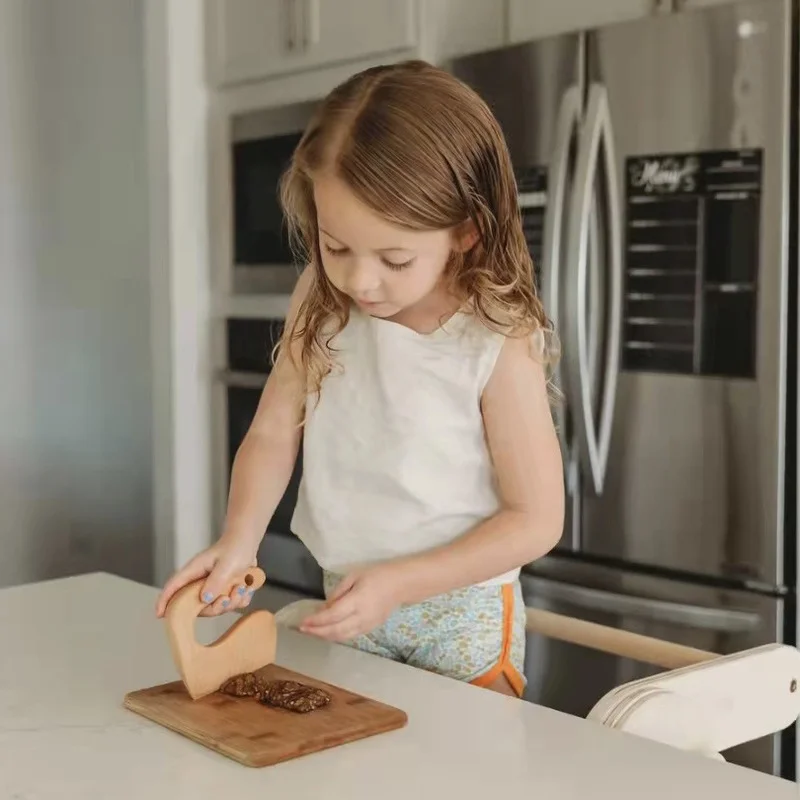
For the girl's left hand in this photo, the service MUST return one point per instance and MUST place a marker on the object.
(359, 604)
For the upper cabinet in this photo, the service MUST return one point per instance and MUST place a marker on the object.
(258, 40)
(254, 40)
(533, 20)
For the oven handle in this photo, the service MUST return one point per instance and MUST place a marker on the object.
(681, 614)
(242, 380)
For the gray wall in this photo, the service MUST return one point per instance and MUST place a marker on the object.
(75, 364)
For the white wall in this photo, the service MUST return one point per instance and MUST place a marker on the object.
(177, 114)
(75, 363)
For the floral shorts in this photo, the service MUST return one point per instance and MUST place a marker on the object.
(476, 634)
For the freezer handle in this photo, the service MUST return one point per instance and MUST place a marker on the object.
(644, 608)
(569, 118)
(594, 438)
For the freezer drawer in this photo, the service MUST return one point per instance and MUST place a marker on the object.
(572, 679)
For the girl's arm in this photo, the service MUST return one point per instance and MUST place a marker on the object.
(527, 460)
(261, 471)
(266, 457)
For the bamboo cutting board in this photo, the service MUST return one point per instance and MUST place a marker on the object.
(257, 735)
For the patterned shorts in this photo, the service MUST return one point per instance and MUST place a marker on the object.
(476, 634)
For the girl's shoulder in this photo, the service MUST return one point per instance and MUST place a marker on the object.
(541, 344)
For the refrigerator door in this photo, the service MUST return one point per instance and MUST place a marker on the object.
(699, 107)
(572, 679)
(536, 92)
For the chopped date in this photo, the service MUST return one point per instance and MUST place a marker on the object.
(290, 695)
(245, 685)
(295, 696)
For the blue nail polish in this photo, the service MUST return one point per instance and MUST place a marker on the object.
(250, 591)
(208, 597)
(225, 603)
(242, 590)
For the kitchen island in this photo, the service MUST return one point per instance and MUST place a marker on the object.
(72, 648)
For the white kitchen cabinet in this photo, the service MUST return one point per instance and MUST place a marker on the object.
(534, 19)
(254, 40)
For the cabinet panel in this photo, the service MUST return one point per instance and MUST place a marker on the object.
(254, 39)
(534, 20)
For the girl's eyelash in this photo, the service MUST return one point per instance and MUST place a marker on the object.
(390, 264)
(396, 266)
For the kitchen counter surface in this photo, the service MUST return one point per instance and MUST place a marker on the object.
(72, 648)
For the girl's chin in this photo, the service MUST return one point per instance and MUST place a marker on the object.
(381, 309)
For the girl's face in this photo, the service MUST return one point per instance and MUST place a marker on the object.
(384, 268)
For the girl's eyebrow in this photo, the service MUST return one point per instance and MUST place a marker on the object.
(381, 250)
(327, 233)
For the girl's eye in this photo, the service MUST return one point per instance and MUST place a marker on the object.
(398, 265)
(334, 251)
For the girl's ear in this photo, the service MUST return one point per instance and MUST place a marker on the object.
(465, 236)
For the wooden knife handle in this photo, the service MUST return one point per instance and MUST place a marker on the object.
(187, 603)
(247, 645)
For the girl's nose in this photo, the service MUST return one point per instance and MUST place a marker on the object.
(363, 279)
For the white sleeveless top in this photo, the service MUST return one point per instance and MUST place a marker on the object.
(395, 459)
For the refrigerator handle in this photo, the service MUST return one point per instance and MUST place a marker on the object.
(569, 119)
(593, 438)
(723, 620)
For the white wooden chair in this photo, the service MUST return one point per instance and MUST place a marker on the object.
(702, 702)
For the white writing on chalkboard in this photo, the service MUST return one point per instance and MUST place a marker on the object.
(665, 175)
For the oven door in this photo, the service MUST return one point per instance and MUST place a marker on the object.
(262, 144)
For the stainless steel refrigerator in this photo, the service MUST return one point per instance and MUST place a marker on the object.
(657, 171)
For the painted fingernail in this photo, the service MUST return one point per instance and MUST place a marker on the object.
(208, 597)
(250, 592)
(242, 590)
(226, 603)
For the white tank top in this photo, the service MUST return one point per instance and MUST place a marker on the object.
(395, 459)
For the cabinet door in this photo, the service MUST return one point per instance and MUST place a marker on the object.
(254, 39)
(534, 20)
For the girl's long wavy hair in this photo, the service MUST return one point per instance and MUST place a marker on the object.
(422, 150)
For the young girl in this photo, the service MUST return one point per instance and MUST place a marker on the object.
(413, 365)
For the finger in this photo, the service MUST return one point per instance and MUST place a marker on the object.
(238, 597)
(221, 605)
(217, 584)
(340, 632)
(333, 615)
(193, 571)
(342, 588)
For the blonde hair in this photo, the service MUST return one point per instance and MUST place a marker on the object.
(422, 150)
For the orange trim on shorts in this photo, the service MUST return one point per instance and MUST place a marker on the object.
(504, 667)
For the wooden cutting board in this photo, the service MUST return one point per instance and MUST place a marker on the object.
(257, 735)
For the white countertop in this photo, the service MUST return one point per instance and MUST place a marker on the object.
(72, 648)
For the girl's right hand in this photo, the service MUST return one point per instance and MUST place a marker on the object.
(219, 564)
